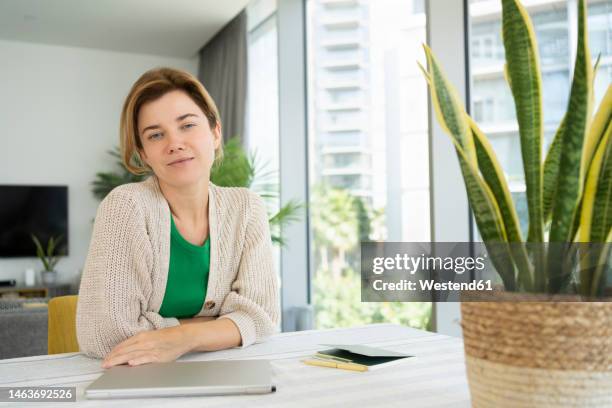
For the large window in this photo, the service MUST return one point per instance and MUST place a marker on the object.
(368, 148)
(492, 104)
(262, 133)
(262, 107)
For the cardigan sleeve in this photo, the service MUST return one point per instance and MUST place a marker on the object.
(116, 286)
(253, 303)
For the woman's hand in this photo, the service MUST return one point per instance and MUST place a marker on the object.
(154, 346)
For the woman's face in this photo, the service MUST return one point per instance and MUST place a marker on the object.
(178, 143)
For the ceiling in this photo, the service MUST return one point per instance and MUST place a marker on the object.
(176, 28)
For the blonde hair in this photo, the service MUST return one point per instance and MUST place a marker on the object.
(151, 86)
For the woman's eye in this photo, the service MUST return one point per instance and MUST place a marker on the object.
(154, 136)
(188, 125)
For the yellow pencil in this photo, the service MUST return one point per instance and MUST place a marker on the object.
(333, 364)
(328, 357)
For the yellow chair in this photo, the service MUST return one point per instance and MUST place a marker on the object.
(62, 325)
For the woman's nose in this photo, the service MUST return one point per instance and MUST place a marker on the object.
(174, 148)
(175, 142)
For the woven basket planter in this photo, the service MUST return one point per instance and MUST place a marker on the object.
(532, 350)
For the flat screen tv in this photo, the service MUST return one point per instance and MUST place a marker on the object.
(38, 210)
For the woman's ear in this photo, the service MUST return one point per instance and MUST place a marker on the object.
(143, 157)
(217, 135)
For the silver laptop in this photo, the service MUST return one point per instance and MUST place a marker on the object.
(184, 379)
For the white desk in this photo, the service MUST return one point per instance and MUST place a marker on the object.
(434, 378)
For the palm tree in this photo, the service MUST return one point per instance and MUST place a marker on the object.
(335, 225)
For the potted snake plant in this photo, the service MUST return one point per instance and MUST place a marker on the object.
(49, 258)
(546, 340)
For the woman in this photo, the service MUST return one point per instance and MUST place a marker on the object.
(175, 264)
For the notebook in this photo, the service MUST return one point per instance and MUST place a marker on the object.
(358, 357)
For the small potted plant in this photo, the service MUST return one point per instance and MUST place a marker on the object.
(544, 340)
(48, 259)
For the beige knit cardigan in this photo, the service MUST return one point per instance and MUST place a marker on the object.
(125, 273)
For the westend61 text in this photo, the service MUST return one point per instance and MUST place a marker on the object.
(432, 285)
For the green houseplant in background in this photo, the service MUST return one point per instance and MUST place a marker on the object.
(549, 351)
(237, 169)
(49, 258)
(340, 221)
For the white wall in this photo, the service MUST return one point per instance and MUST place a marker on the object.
(59, 114)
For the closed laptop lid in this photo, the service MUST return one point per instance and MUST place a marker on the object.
(184, 378)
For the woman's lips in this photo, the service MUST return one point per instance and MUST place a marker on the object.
(181, 162)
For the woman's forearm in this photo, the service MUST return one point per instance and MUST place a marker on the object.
(197, 319)
(217, 334)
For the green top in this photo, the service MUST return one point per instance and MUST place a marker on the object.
(187, 276)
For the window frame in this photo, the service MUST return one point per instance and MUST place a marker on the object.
(448, 201)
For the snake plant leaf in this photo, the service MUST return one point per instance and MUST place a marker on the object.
(593, 226)
(507, 75)
(595, 134)
(39, 248)
(595, 69)
(572, 163)
(602, 118)
(425, 73)
(454, 121)
(597, 285)
(493, 175)
(576, 226)
(488, 219)
(569, 183)
(596, 66)
(40, 252)
(602, 208)
(523, 71)
(551, 171)
(596, 215)
(551, 164)
(448, 107)
(50, 246)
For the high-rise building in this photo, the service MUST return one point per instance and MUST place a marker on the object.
(368, 107)
(341, 87)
